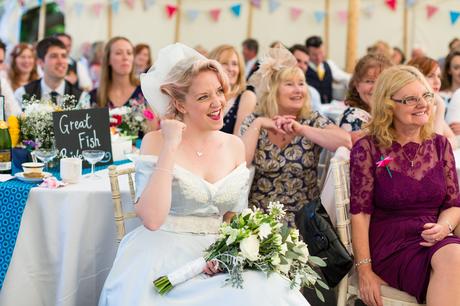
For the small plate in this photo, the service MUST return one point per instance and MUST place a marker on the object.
(20, 176)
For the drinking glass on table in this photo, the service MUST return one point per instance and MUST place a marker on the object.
(92, 157)
(46, 154)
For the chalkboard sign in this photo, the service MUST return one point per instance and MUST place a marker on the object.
(86, 129)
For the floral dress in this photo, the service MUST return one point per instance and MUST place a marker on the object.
(353, 118)
(289, 174)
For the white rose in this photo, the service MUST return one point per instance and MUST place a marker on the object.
(303, 251)
(250, 248)
(284, 268)
(233, 234)
(283, 249)
(246, 212)
(275, 260)
(264, 230)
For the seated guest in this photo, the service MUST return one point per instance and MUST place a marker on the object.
(142, 58)
(23, 66)
(300, 53)
(284, 137)
(450, 80)
(360, 91)
(398, 57)
(381, 47)
(323, 72)
(430, 69)
(405, 213)
(52, 58)
(240, 102)
(118, 85)
(250, 50)
(95, 62)
(11, 105)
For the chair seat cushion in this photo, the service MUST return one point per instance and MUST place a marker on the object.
(390, 294)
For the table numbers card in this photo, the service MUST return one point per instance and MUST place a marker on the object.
(79, 130)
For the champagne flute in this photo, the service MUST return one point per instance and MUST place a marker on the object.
(93, 156)
(46, 155)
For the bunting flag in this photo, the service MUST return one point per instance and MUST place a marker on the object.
(192, 14)
(39, 2)
(431, 10)
(97, 8)
(391, 4)
(171, 10)
(256, 3)
(115, 6)
(454, 16)
(61, 4)
(273, 5)
(148, 4)
(130, 3)
(21, 2)
(319, 16)
(78, 7)
(410, 3)
(236, 9)
(215, 14)
(295, 12)
(343, 16)
(368, 10)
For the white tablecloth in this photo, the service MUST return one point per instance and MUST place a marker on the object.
(65, 247)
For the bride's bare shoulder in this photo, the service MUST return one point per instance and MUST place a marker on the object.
(235, 145)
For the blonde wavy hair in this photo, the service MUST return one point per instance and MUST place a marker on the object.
(180, 78)
(268, 101)
(222, 54)
(390, 81)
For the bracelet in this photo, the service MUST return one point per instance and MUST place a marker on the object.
(364, 261)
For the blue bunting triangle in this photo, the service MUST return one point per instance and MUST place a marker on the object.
(454, 16)
(192, 14)
(410, 3)
(236, 9)
(273, 5)
(116, 6)
(319, 16)
(78, 6)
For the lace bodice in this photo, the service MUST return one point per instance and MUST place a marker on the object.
(194, 196)
(423, 177)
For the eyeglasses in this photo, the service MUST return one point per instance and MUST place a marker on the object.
(412, 100)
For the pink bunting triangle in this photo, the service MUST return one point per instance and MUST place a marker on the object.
(256, 3)
(343, 16)
(295, 12)
(431, 10)
(130, 3)
(171, 10)
(97, 8)
(391, 4)
(215, 13)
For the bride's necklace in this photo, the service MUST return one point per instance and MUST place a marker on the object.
(411, 160)
(198, 153)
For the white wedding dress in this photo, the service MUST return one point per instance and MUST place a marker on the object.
(196, 211)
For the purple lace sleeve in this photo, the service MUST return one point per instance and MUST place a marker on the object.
(361, 177)
(450, 173)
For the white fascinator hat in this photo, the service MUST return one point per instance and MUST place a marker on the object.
(151, 81)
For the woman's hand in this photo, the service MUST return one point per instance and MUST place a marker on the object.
(268, 124)
(433, 233)
(212, 267)
(455, 126)
(172, 132)
(369, 286)
(288, 124)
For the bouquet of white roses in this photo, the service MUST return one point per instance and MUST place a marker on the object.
(258, 241)
(129, 120)
(36, 122)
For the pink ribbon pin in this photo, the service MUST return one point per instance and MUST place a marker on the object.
(384, 162)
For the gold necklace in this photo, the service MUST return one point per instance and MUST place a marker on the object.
(415, 155)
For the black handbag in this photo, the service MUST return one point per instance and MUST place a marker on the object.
(322, 241)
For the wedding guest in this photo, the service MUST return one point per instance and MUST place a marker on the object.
(417, 52)
(2, 59)
(77, 74)
(360, 92)
(404, 211)
(284, 137)
(430, 69)
(183, 196)
(381, 47)
(300, 53)
(240, 102)
(23, 66)
(95, 62)
(12, 107)
(323, 72)
(118, 85)
(450, 80)
(453, 44)
(250, 51)
(398, 57)
(142, 58)
(52, 58)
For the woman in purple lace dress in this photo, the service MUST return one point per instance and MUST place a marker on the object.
(405, 209)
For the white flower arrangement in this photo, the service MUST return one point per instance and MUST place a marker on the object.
(36, 122)
(258, 241)
(130, 120)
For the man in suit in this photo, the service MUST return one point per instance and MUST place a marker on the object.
(52, 58)
(250, 50)
(322, 73)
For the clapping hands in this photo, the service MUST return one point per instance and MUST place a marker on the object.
(281, 124)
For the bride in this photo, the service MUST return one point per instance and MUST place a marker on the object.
(189, 178)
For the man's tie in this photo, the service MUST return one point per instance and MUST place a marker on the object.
(320, 72)
(54, 95)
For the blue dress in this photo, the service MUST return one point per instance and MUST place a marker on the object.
(197, 207)
(230, 117)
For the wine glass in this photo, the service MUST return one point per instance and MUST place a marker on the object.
(93, 156)
(46, 155)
